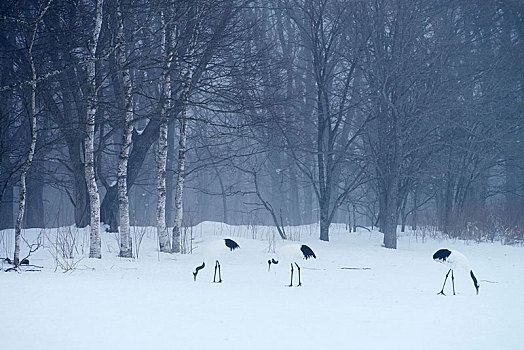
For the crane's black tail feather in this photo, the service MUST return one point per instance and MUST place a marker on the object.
(474, 281)
(308, 252)
(232, 245)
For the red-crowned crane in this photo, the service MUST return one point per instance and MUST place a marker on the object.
(454, 259)
(214, 251)
(292, 253)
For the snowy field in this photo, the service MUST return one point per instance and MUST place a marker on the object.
(356, 295)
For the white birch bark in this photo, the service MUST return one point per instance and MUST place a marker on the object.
(95, 245)
(34, 134)
(179, 190)
(163, 235)
(28, 162)
(126, 243)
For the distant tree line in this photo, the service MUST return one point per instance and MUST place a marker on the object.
(281, 112)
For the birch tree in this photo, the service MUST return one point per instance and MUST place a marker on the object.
(165, 102)
(126, 250)
(191, 70)
(182, 142)
(34, 134)
(95, 245)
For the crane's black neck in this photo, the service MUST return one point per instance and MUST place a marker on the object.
(198, 268)
(271, 261)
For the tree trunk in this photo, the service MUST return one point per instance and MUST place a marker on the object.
(126, 244)
(109, 207)
(28, 162)
(382, 205)
(179, 191)
(415, 210)
(324, 186)
(354, 218)
(95, 246)
(6, 208)
(31, 153)
(390, 216)
(161, 227)
(165, 102)
(324, 228)
(81, 203)
(349, 226)
(181, 165)
(170, 174)
(35, 215)
(403, 214)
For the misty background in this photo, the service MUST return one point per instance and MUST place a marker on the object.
(289, 112)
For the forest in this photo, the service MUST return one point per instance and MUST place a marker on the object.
(169, 113)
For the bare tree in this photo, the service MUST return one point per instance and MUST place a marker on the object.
(95, 247)
(165, 102)
(126, 248)
(331, 36)
(193, 60)
(34, 133)
(187, 79)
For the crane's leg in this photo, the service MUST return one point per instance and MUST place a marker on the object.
(217, 265)
(219, 274)
(445, 279)
(291, 283)
(299, 283)
(453, 282)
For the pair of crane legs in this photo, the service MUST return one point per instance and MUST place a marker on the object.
(291, 283)
(217, 265)
(452, 282)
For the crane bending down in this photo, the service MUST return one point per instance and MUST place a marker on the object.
(454, 259)
(293, 253)
(213, 251)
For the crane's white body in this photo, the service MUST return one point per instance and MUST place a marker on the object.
(215, 250)
(290, 253)
(457, 260)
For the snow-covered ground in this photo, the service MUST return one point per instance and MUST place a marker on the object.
(388, 301)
